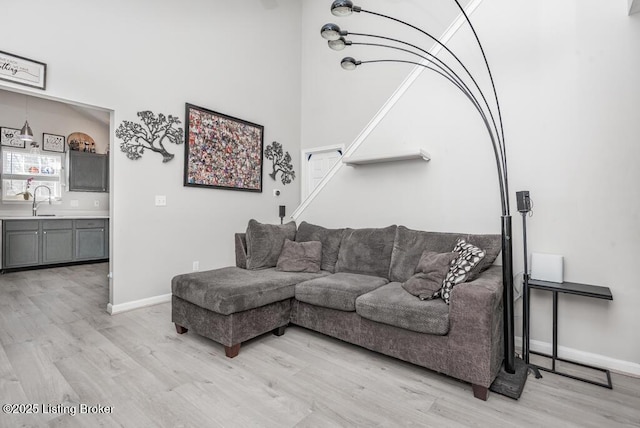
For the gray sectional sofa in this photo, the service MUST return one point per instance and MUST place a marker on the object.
(357, 297)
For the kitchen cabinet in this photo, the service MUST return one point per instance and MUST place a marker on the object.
(88, 172)
(29, 243)
(91, 239)
(57, 241)
(21, 243)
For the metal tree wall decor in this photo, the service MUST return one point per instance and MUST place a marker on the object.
(151, 135)
(281, 162)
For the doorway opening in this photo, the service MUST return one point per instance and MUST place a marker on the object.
(56, 119)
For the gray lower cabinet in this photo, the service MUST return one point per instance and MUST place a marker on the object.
(91, 239)
(21, 243)
(41, 242)
(57, 241)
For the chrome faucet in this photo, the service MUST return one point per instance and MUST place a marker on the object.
(34, 209)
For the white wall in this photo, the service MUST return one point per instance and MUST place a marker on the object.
(334, 109)
(57, 118)
(567, 78)
(240, 58)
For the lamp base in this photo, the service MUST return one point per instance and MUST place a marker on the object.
(511, 385)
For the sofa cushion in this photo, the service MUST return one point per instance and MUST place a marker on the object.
(231, 289)
(367, 251)
(265, 241)
(469, 257)
(491, 245)
(431, 271)
(391, 304)
(330, 239)
(337, 291)
(300, 256)
(409, 245)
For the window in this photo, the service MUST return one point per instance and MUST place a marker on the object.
(21, 168)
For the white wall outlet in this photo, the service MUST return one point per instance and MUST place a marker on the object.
(276, 192)
(96, 203)
(161, 201)
(74, 203)
(196, 266)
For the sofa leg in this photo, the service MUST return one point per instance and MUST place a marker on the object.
(280, 330)
(181, 330)
(481, 392)
(232, 351)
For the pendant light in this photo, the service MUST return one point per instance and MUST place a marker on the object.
(26, 134)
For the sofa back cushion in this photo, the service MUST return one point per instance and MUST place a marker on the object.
(410, 244)
(265, 241)
(330, 239)
(367, 251)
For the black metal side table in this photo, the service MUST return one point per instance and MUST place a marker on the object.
(567, 288)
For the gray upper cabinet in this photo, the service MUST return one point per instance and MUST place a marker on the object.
(88, 172)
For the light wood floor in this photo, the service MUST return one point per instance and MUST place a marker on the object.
(59, 346)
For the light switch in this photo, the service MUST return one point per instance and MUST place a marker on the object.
(161, 200)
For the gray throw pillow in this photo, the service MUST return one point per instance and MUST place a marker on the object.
(300, 257)
(330, 239)
(469, 257)
(265, 241)
(430, 272)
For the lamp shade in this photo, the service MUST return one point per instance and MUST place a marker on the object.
(330, 32)
(349, 63)
(26, 134)
(338, 45)
(343, 8)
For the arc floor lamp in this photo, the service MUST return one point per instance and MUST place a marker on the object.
(468, 85)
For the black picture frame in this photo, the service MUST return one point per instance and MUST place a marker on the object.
(53, 142)
(221, 151)
(23, 71)
(9, 137)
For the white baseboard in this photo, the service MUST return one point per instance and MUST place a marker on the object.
(618, 366)
(137, 304)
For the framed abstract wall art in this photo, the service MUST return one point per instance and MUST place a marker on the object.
(221, 151)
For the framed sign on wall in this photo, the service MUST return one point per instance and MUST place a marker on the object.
(25, 71)
(11, 137)
(53, 143)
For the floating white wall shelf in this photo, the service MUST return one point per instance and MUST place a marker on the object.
(397, 155)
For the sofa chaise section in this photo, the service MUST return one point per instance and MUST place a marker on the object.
(231, 305)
